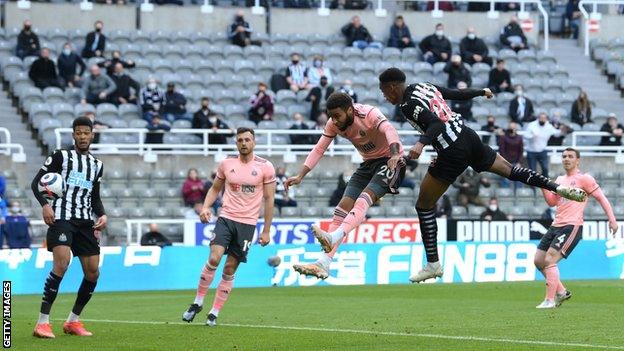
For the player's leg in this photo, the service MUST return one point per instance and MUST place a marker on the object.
(431, 189)
(527, 176)
(224, 289)
(91, 271)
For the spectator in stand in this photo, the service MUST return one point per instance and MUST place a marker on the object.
(174, 105)
(512, 36)
(357, 35)
(283, 197)
(444, 209)
(151, 99)
(318, 96)
(205, 118)
(511, 147)
(97, 87)
(400, 36)
(521, 107)
(347, 88)
(27, 42)
(317, 71)
(95, 42)
(348, 4)
(299, 124)
(68, 63)
(127, 88)
(493, 212)
(113, 61)
(157, 128)
(463, 107)
(193, 188)
(555, 120)
(154, 237)
(43, 71)
(457, 72)
(469, 184)
(97, 126)
(321, 121)
(169, 2)
(343, 178)
(536, 137)
(581, 110)
(612, 126)
(436, 47)
(16, 228)
(500, 79)
(490, 127)
(240, 31)
(574, 16)
(473, 49)
(507, 7)
(297, 74)
(261, 105)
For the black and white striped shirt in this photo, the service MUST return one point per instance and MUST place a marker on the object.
(425, 108)
(82, 175)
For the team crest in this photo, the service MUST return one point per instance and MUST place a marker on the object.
(254, 173)
(362, 133)
(62, 238)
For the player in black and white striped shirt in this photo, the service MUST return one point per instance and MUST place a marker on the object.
(457, 146)
(71, 225)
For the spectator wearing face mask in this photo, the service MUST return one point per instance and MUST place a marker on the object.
(154, 237)
(490, 127)
(297, 74)
(205, 118)
(127, 88)
(443, 208)
(347, 88)
(555, 120)
(500, 79)
(615, 129)
(27, 42)
(457, 72)
(95, 42)
(469, 184)
(261, 105)
(536, 138)
(473, 49)
(581, 110)
(157, 128)
(110, 64)
(463, 107)
(521, 107)
(240, 31)
(317, 71)
(298, 124)
(318, 96)
(150, 99)
(400, 36)
(16, 228)
(71, 67)
(493, 212)
(512, 36)
(436, 47)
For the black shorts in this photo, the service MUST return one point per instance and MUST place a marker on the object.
(375, 175)
(467, 150)
(234, 236)
(562, 239)
(78, 234)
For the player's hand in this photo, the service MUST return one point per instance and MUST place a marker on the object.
(395, 161)
(613, 226)
(101, 223)
(488, 93)
(204, 215)
(292, 181)
(48, 214)
(415, 151)
(265, 238)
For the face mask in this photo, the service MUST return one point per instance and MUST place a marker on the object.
(471, 36)
(490, 123)
(519, 92)
(318, 63)
(493, 208)
(204, 107)
(98, 29)
(323, 83)
(542, 123)
(66, 52)
(15, 209)
(511, 131)
(212, 120)
(439, 33)
(239, 18)
(27, 28)
(151, 86)
(294, 62)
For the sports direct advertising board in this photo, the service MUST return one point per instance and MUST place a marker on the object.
(387, 256)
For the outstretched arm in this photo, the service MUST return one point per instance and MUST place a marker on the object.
(463, 94)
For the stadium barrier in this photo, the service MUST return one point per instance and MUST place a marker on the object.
(16, 151)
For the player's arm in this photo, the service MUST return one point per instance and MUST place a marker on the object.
(434, 128)
(463, 94)
(53, 164)
(211, 197)
(98, 206)
(604, 203)
(312, 160)
(269, 200)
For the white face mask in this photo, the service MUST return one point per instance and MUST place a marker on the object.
(471, 36)
(151, 86)
(493, 208)
(212, 120)
(67, 51)
(439, 33)
(519, 92)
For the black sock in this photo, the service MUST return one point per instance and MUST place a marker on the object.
(50, 289)
(532, 178)
(429, 233)
(84, 295)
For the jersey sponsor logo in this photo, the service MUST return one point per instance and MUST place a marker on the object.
(79, 179)
(48, 161)
(560, 240)
(62, 238)
(368, 147)
(250, 189)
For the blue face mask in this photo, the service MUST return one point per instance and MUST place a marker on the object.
(318, 63)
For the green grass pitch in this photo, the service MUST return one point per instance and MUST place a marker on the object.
(487, 316)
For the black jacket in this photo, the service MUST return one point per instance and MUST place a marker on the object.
(67, 65)
(469, 47)
(528, 110)
(464, 108)
(512, 29)
(25, 40)
(436, 45)
(202, 121)
(352, 34)
(300, 138)
(610, 140)
(315, 111)
(497, 77)
(457, 74)
(174, 103)
(580, 117)
(497, 215)
(101, 46)
(124, 83)
(42, 69)
(154, 239)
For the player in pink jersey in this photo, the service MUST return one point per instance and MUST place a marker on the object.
(567, 228)
(381, 172)
(248, 180)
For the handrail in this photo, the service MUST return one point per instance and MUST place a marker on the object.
(7, 135)
(594, 15)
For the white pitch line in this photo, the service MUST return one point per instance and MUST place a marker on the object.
(372, 332)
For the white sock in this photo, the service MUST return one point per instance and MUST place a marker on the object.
(199, 300)
(325, 260)
(433, 264)
(215, 312)
(43, 318)
(73, 317)
(336, 235)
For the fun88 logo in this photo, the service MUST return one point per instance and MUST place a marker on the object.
(79, 179)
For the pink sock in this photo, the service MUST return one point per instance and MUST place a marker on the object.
(223, 292)
(339, 216)
(205, 279)
(552, 281)
(357, 214)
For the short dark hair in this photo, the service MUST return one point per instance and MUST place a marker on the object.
(82, 121)
(578, 153)
(241, 130)
(392, 75)
(339, 100)
(205, 98)
(500, 61)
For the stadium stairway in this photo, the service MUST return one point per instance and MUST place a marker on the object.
(584, 72)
